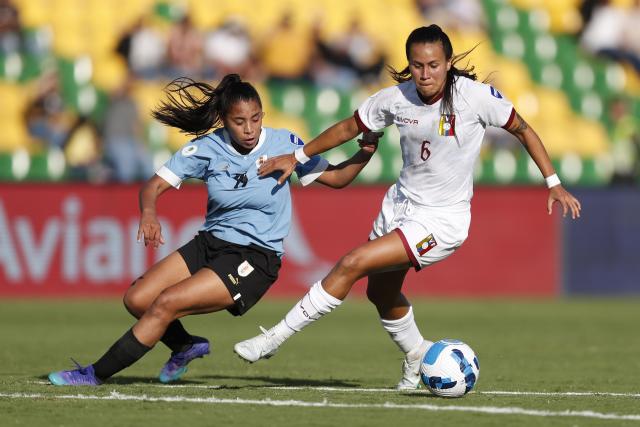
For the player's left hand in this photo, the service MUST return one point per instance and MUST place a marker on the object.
(285, 163)
(566, 199)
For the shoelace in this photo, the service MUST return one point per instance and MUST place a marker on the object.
(81, 369)
(266, 332)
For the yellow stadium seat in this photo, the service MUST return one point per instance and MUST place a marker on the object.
(109, 71)
(589, 137)
(511, 77)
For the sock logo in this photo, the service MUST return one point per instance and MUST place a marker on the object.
(304, 312)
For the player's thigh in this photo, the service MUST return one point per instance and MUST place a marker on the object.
(165, 273)
(203, 292)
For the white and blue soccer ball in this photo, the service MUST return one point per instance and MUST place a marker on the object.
(450, 368)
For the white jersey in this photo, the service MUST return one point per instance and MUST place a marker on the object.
(438, 151)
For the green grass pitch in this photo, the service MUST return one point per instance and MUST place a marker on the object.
(572, 362)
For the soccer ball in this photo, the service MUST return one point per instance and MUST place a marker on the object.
(449, 368)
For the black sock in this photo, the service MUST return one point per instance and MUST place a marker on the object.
(122, 354)
(176, 337)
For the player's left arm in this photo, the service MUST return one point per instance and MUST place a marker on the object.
(532, 143)
(341, 175)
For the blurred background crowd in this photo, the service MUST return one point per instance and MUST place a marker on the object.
(78, 78)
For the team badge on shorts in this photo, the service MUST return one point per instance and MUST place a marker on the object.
(447, 125)
(426, 244)
(245, 269)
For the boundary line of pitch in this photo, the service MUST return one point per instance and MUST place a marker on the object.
(326, 404)
(381, 390)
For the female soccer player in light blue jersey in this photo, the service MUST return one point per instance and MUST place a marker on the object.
(235, 257)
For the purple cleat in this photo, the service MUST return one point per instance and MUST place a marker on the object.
(176, 366)
(79, 376)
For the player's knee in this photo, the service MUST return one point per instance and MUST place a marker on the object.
(134, 301)
(164, 306)
(352, 264)
(375, 294)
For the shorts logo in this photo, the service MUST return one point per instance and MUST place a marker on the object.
(245, 269)
(295, 140)
(426, 244)
(233, 279)
(189, 150)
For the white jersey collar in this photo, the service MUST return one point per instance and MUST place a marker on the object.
(231, 148)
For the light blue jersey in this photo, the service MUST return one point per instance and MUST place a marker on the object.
(242, 208)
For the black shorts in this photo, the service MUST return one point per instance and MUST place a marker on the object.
(247, 271)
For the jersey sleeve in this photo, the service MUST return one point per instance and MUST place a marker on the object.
(375, 113)
(311, 170)
(185, 163)
(493, 108)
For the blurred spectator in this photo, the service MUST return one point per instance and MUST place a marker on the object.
(631, 34)
(586, 9)
(348, 61)
(184, 50)
(612, 32)
(124, 151)
(82, 152)
(228, 49)
(625, 138)
(467, 15)
(144, 50)
(46, 116)
(278, 46)
(10, 28)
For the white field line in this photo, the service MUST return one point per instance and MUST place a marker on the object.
(325, 404)
(384, 390)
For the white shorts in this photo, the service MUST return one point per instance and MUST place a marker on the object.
(429, 234)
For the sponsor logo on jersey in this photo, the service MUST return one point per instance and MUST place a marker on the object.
(189, 150)
(447, 125)
(495, 92)
(295, 140)
(245, 269)
(426, 244)
(406, 120)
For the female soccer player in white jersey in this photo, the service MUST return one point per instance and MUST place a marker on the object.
(235, 257)
(441, 113)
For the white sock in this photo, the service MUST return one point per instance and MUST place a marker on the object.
(315, 304)
(404, 331)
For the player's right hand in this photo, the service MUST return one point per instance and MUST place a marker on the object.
(150, 230)
(285, 164)
(369, 141)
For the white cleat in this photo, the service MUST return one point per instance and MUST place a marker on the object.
(411, 368)
(259, 347)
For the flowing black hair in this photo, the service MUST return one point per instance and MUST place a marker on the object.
(196, 107)
(433, 34)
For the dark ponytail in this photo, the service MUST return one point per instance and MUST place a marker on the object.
(196, 107)
(433, 34)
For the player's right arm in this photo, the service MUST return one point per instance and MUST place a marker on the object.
(188, 162)
(149, 227)
(337, 134)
